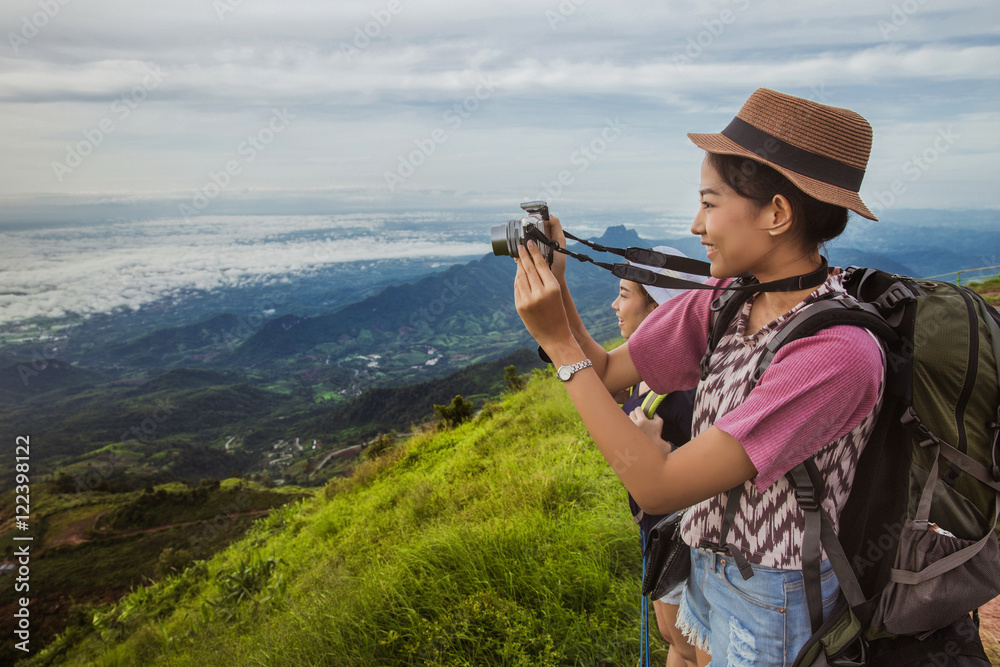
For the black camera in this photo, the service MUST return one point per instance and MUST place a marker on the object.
(507, 238)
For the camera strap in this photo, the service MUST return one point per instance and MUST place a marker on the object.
(674, 263)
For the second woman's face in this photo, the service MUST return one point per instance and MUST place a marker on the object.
(632, 306)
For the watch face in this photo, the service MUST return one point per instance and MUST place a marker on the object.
(564, 373)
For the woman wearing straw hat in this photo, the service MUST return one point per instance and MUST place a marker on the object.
(776, 184)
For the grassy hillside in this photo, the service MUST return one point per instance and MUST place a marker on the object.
(505, 541)
(94, 547)
(192, 423)
(990, 289)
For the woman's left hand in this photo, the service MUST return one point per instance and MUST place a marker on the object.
(538, 299)
(652, 428)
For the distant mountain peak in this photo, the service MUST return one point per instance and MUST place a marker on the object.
(621, 236)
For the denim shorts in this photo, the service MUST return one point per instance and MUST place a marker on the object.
(761, 621)
(673, 596)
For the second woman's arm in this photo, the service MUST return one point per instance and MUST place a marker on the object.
(709, 464)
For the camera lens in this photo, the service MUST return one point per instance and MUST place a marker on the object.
(505, 237)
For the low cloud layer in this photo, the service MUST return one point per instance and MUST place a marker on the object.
(98, 269)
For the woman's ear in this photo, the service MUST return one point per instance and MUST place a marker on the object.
(778, 219)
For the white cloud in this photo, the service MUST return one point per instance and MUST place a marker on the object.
(302, 75)
(98, 269)
(666, 68)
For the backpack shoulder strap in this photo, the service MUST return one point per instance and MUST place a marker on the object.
(723, 311)
(651, 402)
(806, 479)
(816, 316)
(820, 315)
(807, 483)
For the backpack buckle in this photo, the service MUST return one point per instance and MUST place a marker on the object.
(806, 498)
(892, 297)
(709, 545)
(921, 434)
(730, 550)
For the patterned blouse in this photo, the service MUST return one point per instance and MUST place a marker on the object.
(819, 396)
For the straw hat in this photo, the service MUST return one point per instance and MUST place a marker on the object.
(821, 149)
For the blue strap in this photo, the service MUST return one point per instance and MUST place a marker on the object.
(643, 610)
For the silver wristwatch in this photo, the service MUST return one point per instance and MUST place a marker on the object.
(564, 373)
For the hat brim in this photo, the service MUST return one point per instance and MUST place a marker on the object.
(663, 294)
(831, 194)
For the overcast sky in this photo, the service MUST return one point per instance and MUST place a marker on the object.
(208, 107)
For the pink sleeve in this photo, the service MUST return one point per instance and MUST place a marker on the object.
(815, 391)
(668, 346)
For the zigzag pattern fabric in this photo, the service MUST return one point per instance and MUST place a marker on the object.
(769, 526)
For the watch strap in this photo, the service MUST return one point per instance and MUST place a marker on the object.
(570, 371)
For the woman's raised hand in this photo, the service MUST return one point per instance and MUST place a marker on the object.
(553, 229)
(538, 297)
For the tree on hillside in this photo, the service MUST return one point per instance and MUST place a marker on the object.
(380, 445)
(172, 561)
(460, 410)
(64, 483)
(513, 381)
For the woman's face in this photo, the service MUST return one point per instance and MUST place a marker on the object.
(632, 306)
(732, 231)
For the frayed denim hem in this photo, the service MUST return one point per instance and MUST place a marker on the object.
(697, 634)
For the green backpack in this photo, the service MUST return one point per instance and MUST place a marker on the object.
(918, 543)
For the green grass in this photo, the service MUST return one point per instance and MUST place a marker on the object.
(79, 557)
(504, 542)
(990, 289)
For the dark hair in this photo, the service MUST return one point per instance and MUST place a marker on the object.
(813, 222)
(645, 294)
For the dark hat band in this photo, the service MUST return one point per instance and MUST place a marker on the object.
(799, 160)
